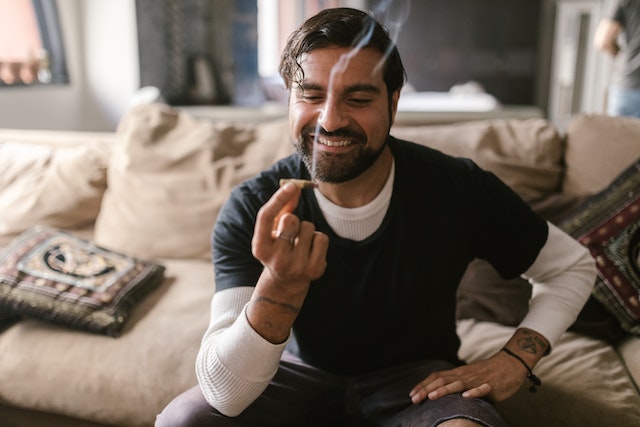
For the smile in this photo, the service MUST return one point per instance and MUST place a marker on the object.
(331, 143)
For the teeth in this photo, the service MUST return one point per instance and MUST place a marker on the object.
(331, 143)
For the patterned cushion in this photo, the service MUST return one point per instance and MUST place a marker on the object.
(51, 275)
(609, 225)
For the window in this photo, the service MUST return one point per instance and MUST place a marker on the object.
(31, 48)
(276, 20)
(287, 16)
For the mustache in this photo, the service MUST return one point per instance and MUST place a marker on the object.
(318, 131)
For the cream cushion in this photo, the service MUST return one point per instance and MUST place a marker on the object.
(598, 149)
(60, 186)
(527, 155)
(169, 176)
(584, 381)
(122, 381)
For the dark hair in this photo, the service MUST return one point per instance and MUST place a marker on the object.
(341, 27)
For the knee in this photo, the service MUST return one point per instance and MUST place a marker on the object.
(175, 415)
(189, 409)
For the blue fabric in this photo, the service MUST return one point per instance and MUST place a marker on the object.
(623, 102)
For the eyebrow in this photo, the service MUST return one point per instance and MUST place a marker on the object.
(360, 87)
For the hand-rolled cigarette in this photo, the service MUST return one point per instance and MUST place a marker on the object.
(304, 184)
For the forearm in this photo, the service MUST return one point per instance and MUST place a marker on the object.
(234, 364)
(529, 345)
(274, 307)
(562, 279)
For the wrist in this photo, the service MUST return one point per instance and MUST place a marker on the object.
(531, 377)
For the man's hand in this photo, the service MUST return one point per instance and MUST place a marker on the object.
(292, 250)
(496, 378)
(293, 254)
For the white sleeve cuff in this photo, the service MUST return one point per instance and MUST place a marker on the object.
(243, 351)
(562, 278)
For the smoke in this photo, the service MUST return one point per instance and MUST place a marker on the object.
(392, 14)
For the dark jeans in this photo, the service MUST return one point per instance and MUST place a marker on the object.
(302, 396)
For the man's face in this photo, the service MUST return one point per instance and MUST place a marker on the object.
(339, 122)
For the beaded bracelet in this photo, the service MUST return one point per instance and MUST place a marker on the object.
(534, 380)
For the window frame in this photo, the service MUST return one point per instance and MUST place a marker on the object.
(46, 12)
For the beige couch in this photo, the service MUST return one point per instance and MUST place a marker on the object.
(152, 190)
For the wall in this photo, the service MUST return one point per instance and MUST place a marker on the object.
(492, 42)
(102, 54)
(101, 49)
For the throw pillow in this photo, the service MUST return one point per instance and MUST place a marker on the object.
(526, 154)
(598, 147)
(54, 276)
(169, 175)
(59, 186)
(609, 225)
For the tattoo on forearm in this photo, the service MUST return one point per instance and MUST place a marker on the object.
(532, 343)
(290, 308)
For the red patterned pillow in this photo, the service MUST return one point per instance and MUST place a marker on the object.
(609, 225)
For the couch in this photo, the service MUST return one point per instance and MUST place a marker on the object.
(150, 192)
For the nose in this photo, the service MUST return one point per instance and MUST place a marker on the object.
(332, 116)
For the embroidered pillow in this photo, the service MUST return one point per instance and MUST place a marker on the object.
(609, 225)
(54, 276)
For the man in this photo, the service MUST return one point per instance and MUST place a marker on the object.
(336, 306)
(624, 93)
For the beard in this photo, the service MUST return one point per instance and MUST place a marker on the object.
(336, 168)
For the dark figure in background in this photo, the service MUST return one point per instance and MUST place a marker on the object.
(624, 93)
(335, 306)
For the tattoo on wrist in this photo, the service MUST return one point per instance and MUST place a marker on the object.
(527, 345)
(290, 308)
(532, 343)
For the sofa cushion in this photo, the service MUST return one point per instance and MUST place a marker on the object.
(598, 148)
(169, 175)
(120, 382)
(526, 154)
(609, 225)
(584, 381)
(629, 350)
(55, 185)
(57, 277)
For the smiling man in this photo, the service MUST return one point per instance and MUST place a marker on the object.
(335, 306)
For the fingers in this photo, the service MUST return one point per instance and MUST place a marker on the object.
(476, 392)
(291, 249)
(270, 214)
(453, 381)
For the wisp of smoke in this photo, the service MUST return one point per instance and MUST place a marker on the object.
(392, 14)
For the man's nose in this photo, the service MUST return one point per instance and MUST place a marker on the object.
(332, 116)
